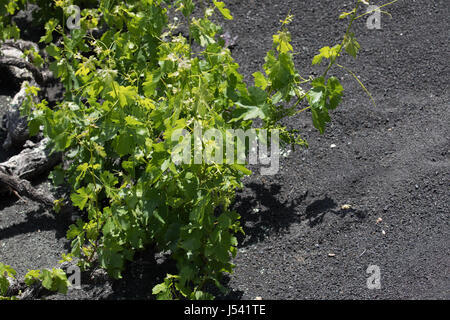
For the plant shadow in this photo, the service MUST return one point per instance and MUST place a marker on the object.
(317, 209)
(147, 269)
(263, 213)
(37, 219)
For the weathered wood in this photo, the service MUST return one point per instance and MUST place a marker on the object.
(41, 77)
(24, 188)
(11, 55)
(20, 44)
(16, 126)
(35, 159)
(32, 162)
(14, 74)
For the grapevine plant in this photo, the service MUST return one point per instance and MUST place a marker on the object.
(127, 89)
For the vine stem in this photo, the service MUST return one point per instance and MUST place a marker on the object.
(359, 81)
(302, 110)
(333, 59)
(376, 9)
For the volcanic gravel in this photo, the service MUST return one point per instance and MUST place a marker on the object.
(373, 190)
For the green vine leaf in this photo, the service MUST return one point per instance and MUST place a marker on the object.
(135, 96)
(351, 45)
(224, 11)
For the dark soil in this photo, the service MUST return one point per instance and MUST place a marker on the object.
(390, 163)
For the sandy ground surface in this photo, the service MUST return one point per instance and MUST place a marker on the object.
(390, 163)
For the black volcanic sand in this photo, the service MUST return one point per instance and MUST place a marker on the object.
(389, 162)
